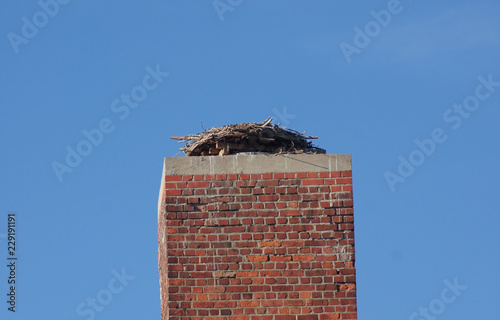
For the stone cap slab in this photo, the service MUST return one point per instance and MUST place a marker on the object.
(258, 163)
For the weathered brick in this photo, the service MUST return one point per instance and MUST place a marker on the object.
(247, 273)
(308, 317)
(258, 258)
(303, 257)
(274, 243)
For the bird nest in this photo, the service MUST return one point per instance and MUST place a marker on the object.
(247, 137)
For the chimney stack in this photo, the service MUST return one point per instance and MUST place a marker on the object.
(257, 237)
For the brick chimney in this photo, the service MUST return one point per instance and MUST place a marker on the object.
(257, 237)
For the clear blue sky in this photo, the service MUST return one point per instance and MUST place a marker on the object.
(113, 80)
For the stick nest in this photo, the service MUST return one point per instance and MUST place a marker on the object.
(247, 137)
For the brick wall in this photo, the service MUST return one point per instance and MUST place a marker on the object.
(257, 246)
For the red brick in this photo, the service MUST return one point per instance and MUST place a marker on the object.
(203, 304)
(257, 258)
(236, 289)
(301, 174)
(267, 183)
(280, 205)
(346, 173)
(274, 243)
(259, 288)
(288, 213)
(312, 182)
(303, 257)
(234, 229)
(292, 243)
(343, 181)
(262, 317)
(247, 274)
(308, 317)
(248, 303)
(268, 198)
(169, 192)
(201, 184)
(173, 178)
(225, 304)
(245, 183)
(198, 177)
(295, 303)
(254, 228)
(214, 289)
(281, 258)
(282, 288)
(267, 176)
